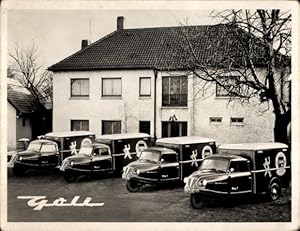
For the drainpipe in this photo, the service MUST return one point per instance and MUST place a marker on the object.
(154, 104)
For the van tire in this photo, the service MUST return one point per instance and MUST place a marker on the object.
(274, 191)
(69, 177)
(18, 170)
(133, 186)
(196, 201)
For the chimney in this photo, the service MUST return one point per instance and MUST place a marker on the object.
(84, 43)
(120, 22)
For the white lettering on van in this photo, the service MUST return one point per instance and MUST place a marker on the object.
(127, 151)
(194, 157)
(73, 148)
(266, 165)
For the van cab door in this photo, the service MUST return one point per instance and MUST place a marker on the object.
(240, 178)
(169, 169)
(49, 155)
(101, 159)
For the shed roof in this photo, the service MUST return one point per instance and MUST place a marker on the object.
(23, 102)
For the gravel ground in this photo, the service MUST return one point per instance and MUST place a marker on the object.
(152, 204)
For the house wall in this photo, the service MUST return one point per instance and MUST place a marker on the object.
(96, 108)
(11, 126)
(257, 126)
(23, 127)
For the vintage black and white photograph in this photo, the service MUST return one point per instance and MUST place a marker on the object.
(149, 112)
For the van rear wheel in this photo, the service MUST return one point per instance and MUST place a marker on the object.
(274, 191)
(133, 186)
(196, 201)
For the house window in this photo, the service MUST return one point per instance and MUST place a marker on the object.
(229, 86)
(215, 120)
(111, 127)
(145, 86)
(174, 91)
(79, 87)
(112, 87)
(79, 125)
(236, 121)
(144, 127)
(173, 129)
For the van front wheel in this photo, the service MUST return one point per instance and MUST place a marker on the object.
(274, 191)
(133, 186)
(196, 201)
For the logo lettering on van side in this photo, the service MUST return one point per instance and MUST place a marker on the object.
(127, 151)
(194, 157)
(266, 165)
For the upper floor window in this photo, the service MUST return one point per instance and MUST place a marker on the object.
(79, 125)
(229, 86)
(174, 91)
(111, 87)
(79, 87)
(145, 86)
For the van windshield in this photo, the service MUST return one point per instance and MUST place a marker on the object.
(150, 155)
(33, 146)
(214, 164)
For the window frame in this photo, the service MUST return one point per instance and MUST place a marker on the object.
(79, 79)
(112, 121)
(110, 78)
(81, 125)
(145, 121)
(222, 89)
(237, 123)
(211, 118)
(140, 84)
(170, 104)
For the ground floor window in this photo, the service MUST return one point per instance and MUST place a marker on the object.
(79, 125)
(173, 129)
(111, 127)
(144, 127)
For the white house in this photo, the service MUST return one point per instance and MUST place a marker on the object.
(124, 82)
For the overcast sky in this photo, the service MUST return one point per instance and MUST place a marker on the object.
(58, 33)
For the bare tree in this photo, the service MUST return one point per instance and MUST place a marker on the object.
(24, 68)
(247, 56)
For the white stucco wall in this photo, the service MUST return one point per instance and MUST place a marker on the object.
(257, 127)
(96, 108)
(11, 126)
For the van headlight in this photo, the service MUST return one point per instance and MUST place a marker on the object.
(204, 182)
(185, 180)
(138, 172)
(20, 158)
(72, 163)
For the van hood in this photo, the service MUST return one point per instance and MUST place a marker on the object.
(76, 160)
(144, 165)
(209, 175)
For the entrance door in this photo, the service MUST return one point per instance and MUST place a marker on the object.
(174, 129)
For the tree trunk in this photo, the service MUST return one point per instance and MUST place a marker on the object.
(280, 128)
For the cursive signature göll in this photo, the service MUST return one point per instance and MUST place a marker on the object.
(39, 202)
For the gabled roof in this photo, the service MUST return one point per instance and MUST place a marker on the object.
(162, 48)
(23, 102)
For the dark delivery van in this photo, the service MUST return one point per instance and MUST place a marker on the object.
(50, 150)
(109, 153)
(239, 170)
(171, 159)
